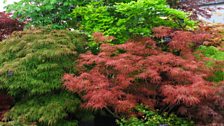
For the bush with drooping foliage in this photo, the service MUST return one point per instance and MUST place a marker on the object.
(8, 25)
(141, 71)
(32, 64)
(125, 20)
(148, 117)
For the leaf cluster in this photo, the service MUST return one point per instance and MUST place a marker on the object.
(55, 13)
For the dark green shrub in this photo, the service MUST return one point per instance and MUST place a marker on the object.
(31, 66)
(151, 118)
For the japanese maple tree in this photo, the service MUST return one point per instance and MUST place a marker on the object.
(8, 25)
(139, 72)
(194, 7)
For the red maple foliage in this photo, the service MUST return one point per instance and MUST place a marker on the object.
(194, 7)
(8, 25)
(138, 72)
(99, 37)
(216, 33)
(183, 42)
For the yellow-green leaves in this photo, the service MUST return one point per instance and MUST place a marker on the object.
(32, 64)
(130, 19)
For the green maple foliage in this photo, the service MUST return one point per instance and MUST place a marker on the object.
(31, 65)
(216, 60)
(130, 19)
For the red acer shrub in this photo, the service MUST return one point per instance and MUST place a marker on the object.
(8, 25)
(139, 72)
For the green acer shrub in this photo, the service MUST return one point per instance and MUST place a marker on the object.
(32, 64)
(151, 118)
(216, 60)
(212, 52)
(49, 110)
(131, 19)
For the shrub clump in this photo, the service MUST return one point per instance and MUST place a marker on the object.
(32, 63)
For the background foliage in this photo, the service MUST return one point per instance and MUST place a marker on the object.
(49, 12)
(193, 7)
(44, 12)
(123, 20)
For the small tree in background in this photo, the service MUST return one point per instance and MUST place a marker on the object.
(193, 7)
(8, 25)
